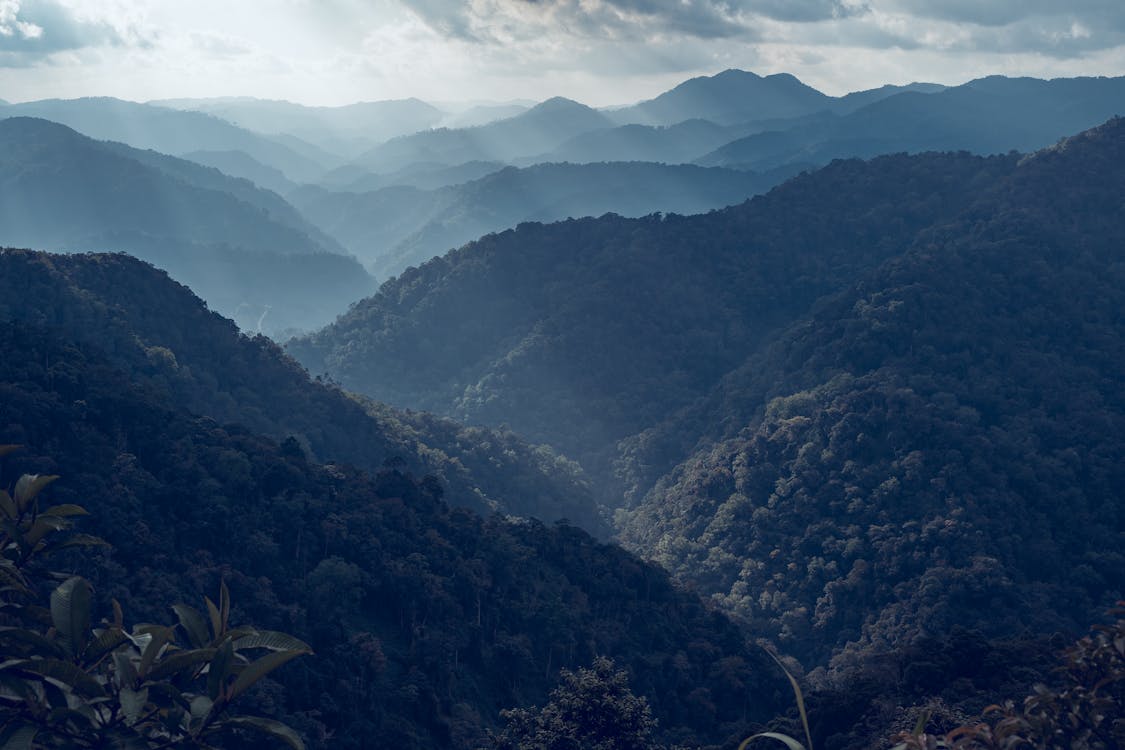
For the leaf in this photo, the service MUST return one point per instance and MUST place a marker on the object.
(8, 448)
(224, 604)
(17, 737)
(272, 640)
(179, 661)
(798, 695)
(260, 668)
(13, 638)
(70, 613)
(216, 618)
(7, 505)
(219, 670)
(200, 707)
(80, 540)
(65, 510)
(273, 728)
(29, 486)
(133, 704)
(125, 669)
(785, 739)
(104, 642)
(192, 623)
(160, 637)
(65, 673)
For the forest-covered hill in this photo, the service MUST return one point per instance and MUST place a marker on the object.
(582, 333)
(244, 249)
(397, 227)
(426, 620)
(878, 402)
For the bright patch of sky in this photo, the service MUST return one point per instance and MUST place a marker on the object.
(600, 52)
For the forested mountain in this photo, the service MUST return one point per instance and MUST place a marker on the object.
(397, 227)
(989, 115)
(426, 620)
(241, 164)
(673, 144)
(884, 398)
(171, 131)
(244, 249)
(159, 333)
(729, 98)
(344, 131)
(421, 175)
(536, 131)
(582, 333)
(946, 434)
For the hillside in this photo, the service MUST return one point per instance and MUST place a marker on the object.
(244, 249)
(426, 620)
(582, 333)
(169, 131)
(398, 227)
(536, 131)
(940, 444)
(986, 116)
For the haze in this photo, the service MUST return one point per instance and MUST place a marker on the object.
(601, 52)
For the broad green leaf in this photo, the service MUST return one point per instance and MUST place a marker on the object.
(32, 643)
(219, 670)
(224, 605)
(193, 624)
(125, 669)
(179, 661)
(785, 739)
(160, 638)
(273, 728)
(79, 540)
(70, 613)
(65, 510)
(216, 619)
(29, 486)
(258, 669)
(133, 704)
(66, 674)
(104, 641)
(17, 736)
(272, 640)
(7, 505)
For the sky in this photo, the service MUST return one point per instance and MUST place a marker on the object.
(601, 52)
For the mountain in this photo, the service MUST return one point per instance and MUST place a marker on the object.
(353, 179)
(426, 619)
(397, 227)
(536, 131)
(938, 445)
(346, 131)
(241, 164)
(166, 130)
(246, 250)
(673, 144)
(991, 115)
(858, 99)
(483, 114)
(729, 98)
(582, 333)
(875, 411)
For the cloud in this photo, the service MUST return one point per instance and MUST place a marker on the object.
(506, 20)
(33, 30)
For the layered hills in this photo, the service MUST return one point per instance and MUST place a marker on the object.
(247, 251)
(426, 619)
(396, 227)
(872, 404)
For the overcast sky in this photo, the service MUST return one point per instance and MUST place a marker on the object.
(598, 51)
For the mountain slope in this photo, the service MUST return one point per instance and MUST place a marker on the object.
(991, 115)
(581, 333)
(939, 445)
(394, 228)
(536, 131)
(728, 98)
(244, 249)
(166, 130)
(426, 620)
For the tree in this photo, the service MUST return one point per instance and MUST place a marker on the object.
(65, 683)
(592, 709)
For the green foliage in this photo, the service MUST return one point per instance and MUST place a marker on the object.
(66, 683)
(591, 709)
(1085, 710)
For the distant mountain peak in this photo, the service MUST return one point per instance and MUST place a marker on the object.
(557, 104)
